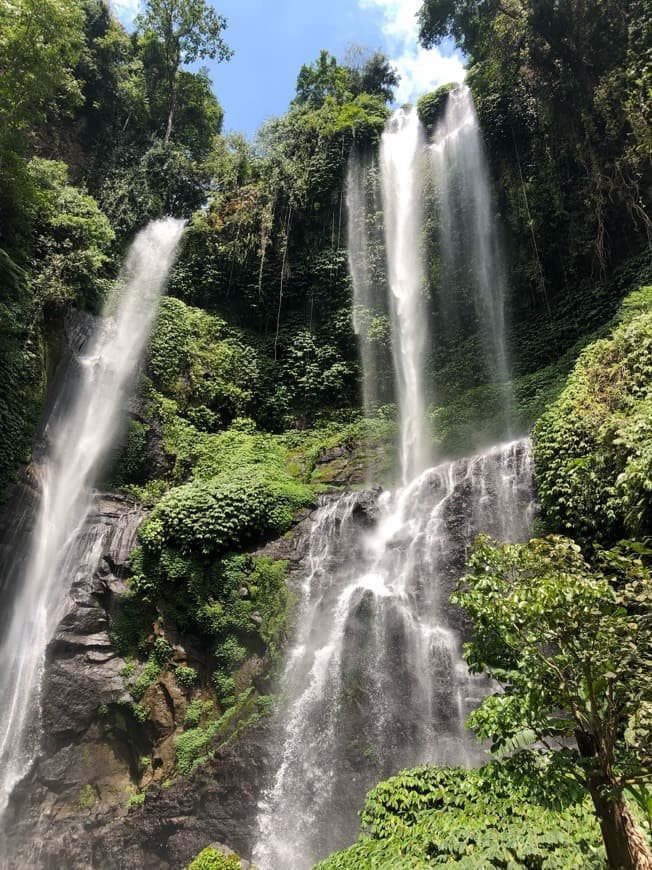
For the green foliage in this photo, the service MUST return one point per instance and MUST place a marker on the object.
(431, 107)
(87, 797)
(176, 32)
(132, 466)
(136, 800)
(195, 359)
(524, 812)
(212, 859)
(198, 710)
(41, 42)
(212, 517)
(21, 369)
(363, 72)
(592, 446)
(193, 747)
(186, 677)
(570, 644)
(147, 676)
(559, 88)
(72, 238)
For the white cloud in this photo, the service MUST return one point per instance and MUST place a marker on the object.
(421, 69)
(125, 10)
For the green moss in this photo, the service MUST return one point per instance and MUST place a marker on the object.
(592, 447)
(87, 797)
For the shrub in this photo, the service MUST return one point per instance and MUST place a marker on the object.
(212, 859)
(522, 812)
(186, 677)
(192, 747)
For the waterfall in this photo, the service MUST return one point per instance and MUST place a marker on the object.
(401, 174)
(374, 680)
(83, 426)
(360, 258)
(470, 249)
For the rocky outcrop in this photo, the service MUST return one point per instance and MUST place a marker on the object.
(351, 463)
(76, 807)
(73, 809)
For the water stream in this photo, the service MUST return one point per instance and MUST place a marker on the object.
(83, 426)
(401, 155)
(471, 252)
(374, 680)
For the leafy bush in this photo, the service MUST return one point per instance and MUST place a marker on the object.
(186, 677)
(197, 710)
(519, 813)
(192, 747)
(213, 859)
(211, 517)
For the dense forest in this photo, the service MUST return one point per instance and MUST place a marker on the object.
(249, 405)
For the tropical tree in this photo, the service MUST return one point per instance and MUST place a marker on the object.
(570, 646)
(186, 30)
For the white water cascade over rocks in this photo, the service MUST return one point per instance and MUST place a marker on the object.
(374, 680)
(82, 428)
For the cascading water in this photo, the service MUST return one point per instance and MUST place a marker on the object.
(81, 430)
(375, 681)
(401, 155)
(360, 245)
(470, 250)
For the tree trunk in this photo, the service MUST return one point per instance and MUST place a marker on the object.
(624, 842)
(172, 101)
(170, 124)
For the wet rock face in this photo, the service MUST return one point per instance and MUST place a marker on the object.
(350, 464)
(71, 809)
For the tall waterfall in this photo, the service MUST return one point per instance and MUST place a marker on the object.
(81, 430)
(361, 245)
(401, 155)
(470, 248)
(375, 681)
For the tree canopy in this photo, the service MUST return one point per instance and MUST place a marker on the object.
(186, 30)
(570, 645)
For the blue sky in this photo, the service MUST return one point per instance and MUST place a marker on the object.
(273, 38)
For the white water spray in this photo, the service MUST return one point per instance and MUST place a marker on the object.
(359, 246)
(401, 156)
(471, 252)
(78, 438)
(375, 680)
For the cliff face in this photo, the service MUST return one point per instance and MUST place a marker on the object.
(72, 810)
